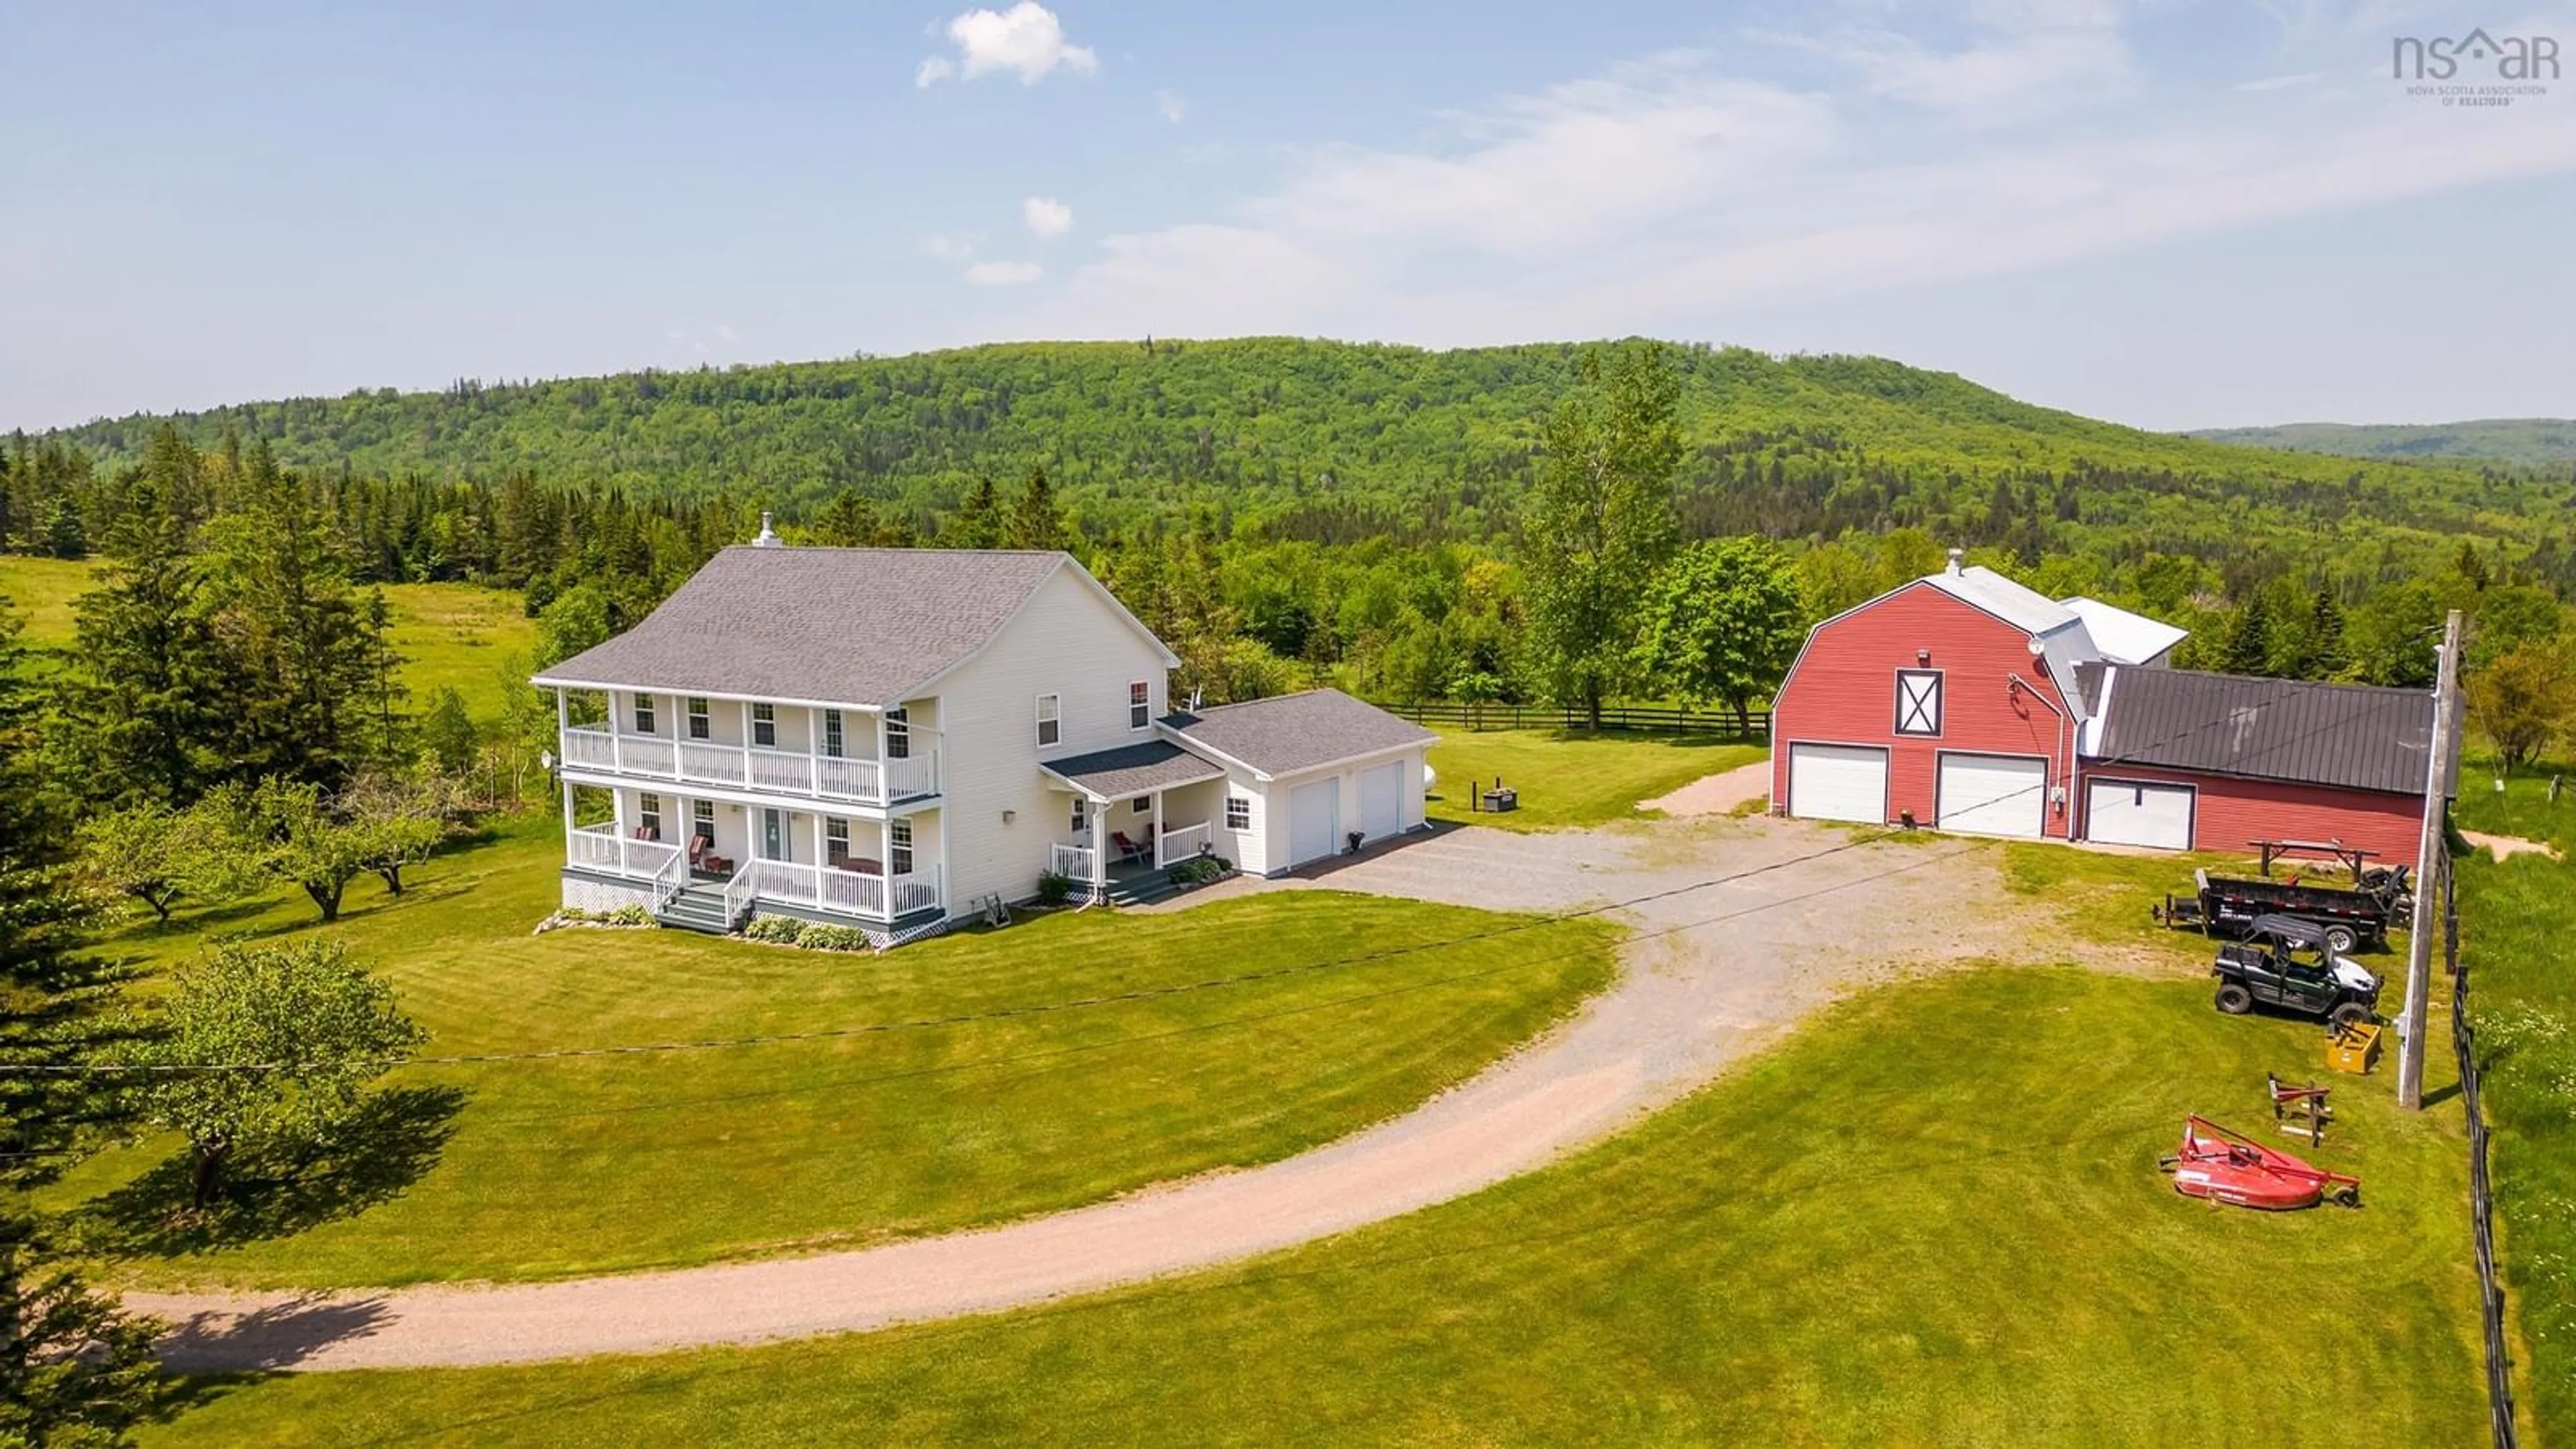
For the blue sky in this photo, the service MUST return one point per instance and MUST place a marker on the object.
(2167, 213)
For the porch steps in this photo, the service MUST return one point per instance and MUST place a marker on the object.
(1142, 889)
(697, 908)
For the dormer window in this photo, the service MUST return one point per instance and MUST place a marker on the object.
(1918, 701)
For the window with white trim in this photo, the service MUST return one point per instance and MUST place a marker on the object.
(1238, 813)
(699, 726)
(1080, 822)
(1140, 705)
(1050, 719)
(702, 821)
(898, 735)
(764, 724)
(836, 841)
(832, 738)
(898, 847)
(648, 814)
(1142, 805)
(1918, 701)
(643, 714)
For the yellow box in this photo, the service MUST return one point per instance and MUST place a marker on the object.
(2353, 1048)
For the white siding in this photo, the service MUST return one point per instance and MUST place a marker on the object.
(1067, 641)
(1273, 830)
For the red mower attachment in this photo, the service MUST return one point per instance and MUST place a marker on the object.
(2229, 1167)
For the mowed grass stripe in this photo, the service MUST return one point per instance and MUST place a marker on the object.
(1931, 1217)
(572, 1166)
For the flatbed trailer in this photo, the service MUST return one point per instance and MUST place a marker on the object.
(2227, 906)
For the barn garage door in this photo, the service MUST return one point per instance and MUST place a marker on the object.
(1838, 782)
(1314, 820)
(2135, 812)
(1993, 794)
(1382, 800)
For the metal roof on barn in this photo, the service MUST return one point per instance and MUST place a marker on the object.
(2353, 736)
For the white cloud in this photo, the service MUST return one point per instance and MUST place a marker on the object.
(1047, 216)
(1026, 40)
(954, 246)
(1171, 106)
(1666, 190)
(1004, 274)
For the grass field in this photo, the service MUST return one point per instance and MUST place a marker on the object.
(1567, 780)
(533, 1170)
(2517, 919)
(448, 634)
(1932, 1217)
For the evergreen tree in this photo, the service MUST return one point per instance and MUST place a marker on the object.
(1600, 520)
(149, 683)
(73, 1369)
(1037, 520)
(2322, 654)
(2249, 639)
(979, 521)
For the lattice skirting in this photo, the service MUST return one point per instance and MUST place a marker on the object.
(588, 893)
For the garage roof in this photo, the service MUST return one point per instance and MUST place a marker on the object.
(1132, 770)
(2355, 736)
(2123, 637)
(1292, 732)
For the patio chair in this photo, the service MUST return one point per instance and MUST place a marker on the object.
(1129, 850)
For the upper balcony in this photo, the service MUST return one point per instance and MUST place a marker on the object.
(806, 774)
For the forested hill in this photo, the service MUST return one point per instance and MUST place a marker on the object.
(1335, 441)
(2530, 442)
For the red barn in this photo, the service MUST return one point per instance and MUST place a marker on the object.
(1965, 701)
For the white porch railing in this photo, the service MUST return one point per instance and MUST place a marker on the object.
(738, 893)
(702, 762)
(1072, 862)
(1181, 842)
(847, 892)
(602, 848)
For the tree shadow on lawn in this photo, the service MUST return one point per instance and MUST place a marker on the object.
(276, 1190)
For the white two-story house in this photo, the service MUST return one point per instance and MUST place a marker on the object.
(892, 738)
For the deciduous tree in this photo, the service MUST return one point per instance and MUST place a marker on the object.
(1721, 623)
(2524, 699)
(1600, 520)
(277, 1041)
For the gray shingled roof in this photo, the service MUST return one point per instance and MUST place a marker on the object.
(1133, 769)
(835, 625)
(2356, 736)
(1293, 732)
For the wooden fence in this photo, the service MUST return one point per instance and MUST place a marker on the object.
(2499, 1360)
(1628, 718)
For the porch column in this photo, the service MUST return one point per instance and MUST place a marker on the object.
(567, 804)
(1155, 829)
(1099, 849)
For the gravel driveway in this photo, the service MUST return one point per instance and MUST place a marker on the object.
(1713, 971)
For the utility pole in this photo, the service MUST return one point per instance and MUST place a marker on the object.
(2428, 859)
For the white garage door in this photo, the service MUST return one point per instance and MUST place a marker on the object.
(1993, 794)
(1314, 820)
(1838, 782)
(1382, 800)
(2134, 812)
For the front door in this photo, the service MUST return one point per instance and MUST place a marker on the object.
(773, 835)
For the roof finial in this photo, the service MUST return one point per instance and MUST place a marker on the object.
(769, 536)
(1956, 554)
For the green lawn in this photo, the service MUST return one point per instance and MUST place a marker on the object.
(547, 1169)
(448, 634)
(2517, 920)
(40, 591)
(1932, 1217)
(1570, 779)
(476, 641)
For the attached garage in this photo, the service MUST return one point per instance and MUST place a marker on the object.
(2139, 812)
(1838, 782)
(1993, 794)
(1307, 771)
(1314, 820)
(1382, 800)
